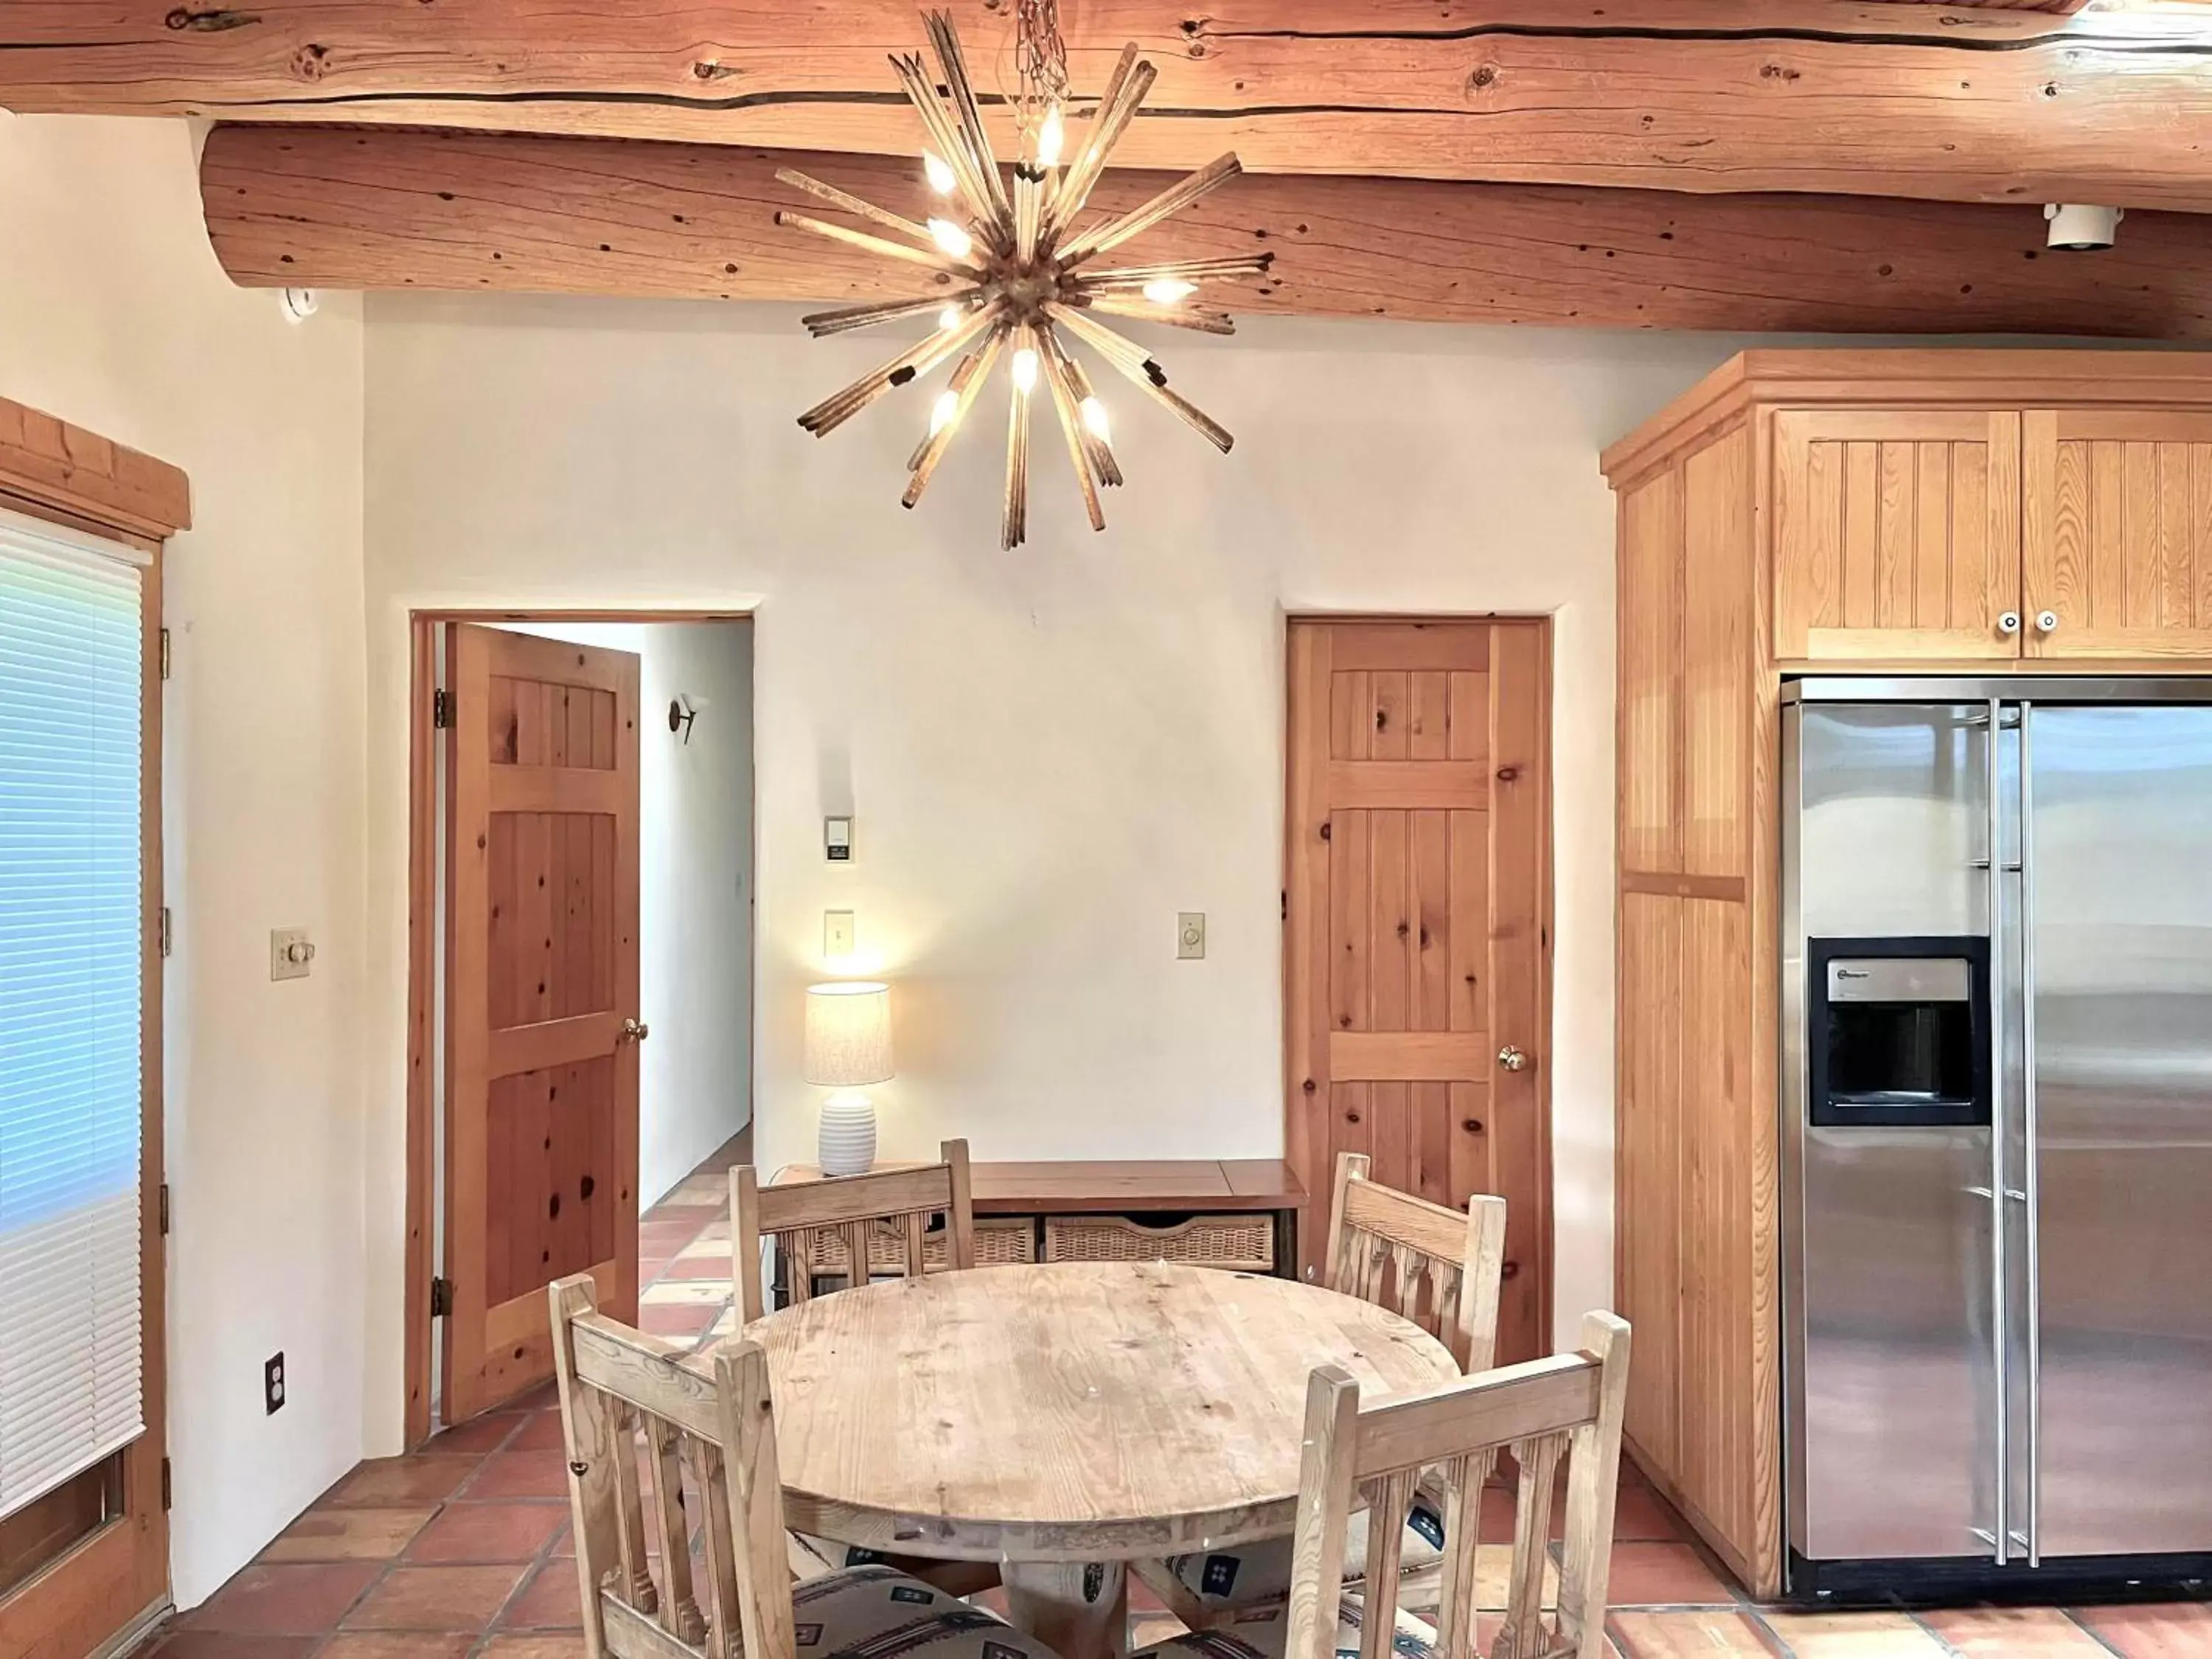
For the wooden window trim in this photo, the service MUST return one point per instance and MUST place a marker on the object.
(66, 476)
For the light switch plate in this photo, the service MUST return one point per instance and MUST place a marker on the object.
(837, 933)
(291, 953)
(1190, 936)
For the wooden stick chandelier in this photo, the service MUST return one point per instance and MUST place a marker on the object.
(1021, 264)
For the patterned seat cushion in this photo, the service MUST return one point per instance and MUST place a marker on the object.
(879, 1613)
(814, 1558)
(1254, 1573)
(1264, 1633)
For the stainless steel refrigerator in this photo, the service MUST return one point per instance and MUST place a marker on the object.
(1996, 1130)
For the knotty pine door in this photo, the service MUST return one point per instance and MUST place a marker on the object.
(541, 989)
(1416, 913)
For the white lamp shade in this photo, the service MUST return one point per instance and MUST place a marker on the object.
(849, 1034)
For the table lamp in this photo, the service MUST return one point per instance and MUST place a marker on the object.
(848, 1046)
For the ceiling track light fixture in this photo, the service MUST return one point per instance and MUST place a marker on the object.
(1022, 266)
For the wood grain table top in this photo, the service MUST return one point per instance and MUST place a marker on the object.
(1069, 1411)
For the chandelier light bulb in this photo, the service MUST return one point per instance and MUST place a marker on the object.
(950, 237)
(938, 174)
(1025, 368)
(1050, 134)
(950, 317)
(942, 411)
(1168, 290)
(1094, 416)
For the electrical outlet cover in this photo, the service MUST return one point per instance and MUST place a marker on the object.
(273, 1383)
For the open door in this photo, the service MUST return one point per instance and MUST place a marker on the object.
(541, 997)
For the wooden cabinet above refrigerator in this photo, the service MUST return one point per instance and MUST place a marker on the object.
(1986, 511)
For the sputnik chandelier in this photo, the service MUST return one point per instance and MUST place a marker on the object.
(1023, 266)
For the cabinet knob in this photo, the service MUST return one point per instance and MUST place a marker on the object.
(2046, 621)
(2009, 623)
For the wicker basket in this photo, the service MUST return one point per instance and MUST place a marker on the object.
(999, 1240)
(1245, 1244)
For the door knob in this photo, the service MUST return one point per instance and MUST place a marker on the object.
(634, 1031)
(1513, 1058)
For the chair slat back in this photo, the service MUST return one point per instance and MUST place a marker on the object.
(1565, 1408)
(871, 1221)
(1439, 1268)
(641, 1426)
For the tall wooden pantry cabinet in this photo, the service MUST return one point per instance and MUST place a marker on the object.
(1837, 511)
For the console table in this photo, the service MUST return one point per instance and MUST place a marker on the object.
(1239, 1214)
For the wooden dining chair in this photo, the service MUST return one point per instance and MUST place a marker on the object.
(1440, 1268)
(667, 1456)
(1567, 1408)
(824, 1228)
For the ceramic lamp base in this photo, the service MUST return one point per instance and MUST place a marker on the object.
(848, 1133)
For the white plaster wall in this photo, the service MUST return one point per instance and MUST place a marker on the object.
(1048, 753)
(695, 976)
(114, 314)
(694, 886)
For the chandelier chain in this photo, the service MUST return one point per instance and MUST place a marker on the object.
(1040, 61)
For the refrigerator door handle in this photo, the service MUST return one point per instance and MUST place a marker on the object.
(1992, 867)
(2030, 1196)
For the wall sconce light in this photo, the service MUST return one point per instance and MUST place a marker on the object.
(682, 709)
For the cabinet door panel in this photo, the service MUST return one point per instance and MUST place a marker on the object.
(2119, 508)
(1651, 673)
(1896, 534)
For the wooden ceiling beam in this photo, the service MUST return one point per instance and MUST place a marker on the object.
(393, 210)
(1937, 102)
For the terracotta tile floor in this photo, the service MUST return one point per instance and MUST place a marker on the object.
(460, 1551)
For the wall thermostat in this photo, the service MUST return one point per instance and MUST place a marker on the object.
(837, 839)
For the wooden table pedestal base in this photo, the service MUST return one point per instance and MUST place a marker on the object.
(1079, 1609)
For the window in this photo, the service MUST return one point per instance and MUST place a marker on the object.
(72, 986)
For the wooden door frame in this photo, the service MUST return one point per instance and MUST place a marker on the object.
(1295, 1150)
(78, 481)
(425, 938)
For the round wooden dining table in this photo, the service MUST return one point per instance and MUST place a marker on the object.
(1065, 1419)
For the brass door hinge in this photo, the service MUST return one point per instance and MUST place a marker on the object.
(167, 934)
(168, 1490)
(441, 1297)
(161, 1203)
(442, 710)
(165, 654)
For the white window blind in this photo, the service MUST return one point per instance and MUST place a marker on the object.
(71, 986)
